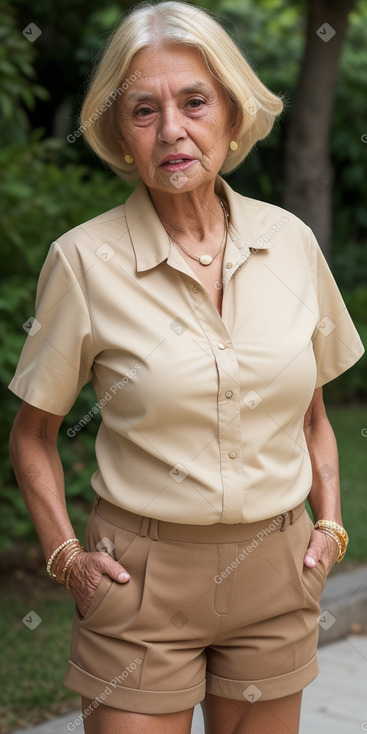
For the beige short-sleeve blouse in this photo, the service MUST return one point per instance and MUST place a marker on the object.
(202, 415)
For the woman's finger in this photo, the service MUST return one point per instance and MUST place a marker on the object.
(89, 567)
(323, 548)
(103, 563)
(86, 574)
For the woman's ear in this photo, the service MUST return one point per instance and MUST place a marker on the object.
(120, 139)
(236, 124)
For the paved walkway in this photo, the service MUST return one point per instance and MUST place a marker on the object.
(336, 702)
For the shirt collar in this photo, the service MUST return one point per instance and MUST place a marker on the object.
(151, 242)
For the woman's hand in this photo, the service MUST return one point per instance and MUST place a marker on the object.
(322, 548)
(86, 573)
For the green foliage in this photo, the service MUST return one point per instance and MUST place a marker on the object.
(272, 40)
(348, 423)
(43, 193)
(349, 152)
(348, 258)
(18, 89)
(96, 32)
(31, 684)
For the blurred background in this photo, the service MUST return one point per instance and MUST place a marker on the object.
(313, 53)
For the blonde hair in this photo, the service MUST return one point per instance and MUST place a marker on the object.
(151, 26)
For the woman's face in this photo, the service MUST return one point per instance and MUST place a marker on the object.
(175, 109)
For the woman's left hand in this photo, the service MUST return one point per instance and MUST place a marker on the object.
(321, 548)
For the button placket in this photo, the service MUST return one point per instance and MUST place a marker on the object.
(235, 257)
(229, 435)
(228, 403)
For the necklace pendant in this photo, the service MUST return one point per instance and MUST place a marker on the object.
(205, 259)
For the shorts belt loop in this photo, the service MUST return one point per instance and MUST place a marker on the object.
(144, 527)
(284, 515)
(153, 529)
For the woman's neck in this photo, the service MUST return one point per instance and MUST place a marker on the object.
(196, 214)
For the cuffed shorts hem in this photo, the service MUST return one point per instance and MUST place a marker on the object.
(167, 702)
(266, 689)
(132, 699)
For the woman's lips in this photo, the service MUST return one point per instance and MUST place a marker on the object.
(179, 165)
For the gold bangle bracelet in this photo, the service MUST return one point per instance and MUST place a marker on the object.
(64, 555)
(330, 525)
(68, 572)
(337, 533)
(61, 579)
(336, 539)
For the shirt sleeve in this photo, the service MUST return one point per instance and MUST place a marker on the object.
(57, 357)
(336, 342)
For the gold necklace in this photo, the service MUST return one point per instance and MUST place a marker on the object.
(207, 259)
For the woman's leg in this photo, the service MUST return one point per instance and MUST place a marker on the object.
(226, 716)
(108, 720)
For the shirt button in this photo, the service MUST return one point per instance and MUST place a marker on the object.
(229, 394)
(228, 265)
(195, 289)
(232, 454)
(221, 346)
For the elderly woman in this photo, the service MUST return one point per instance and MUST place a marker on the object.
(208, 323)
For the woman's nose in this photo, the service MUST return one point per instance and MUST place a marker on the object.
(171, 128)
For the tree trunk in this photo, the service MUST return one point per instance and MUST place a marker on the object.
(308, 169)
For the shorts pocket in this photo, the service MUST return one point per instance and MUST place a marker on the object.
(314, 580)
(100, 533)
(99, 593)
(114, 605)
(309, 581)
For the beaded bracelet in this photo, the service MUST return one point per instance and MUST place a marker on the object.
(55, 553)
(60, 560)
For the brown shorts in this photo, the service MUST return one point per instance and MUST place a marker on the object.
(228, 609)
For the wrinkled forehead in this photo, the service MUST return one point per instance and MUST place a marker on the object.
(179, 67)
(173, 59)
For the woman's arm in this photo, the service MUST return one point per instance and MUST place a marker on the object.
(324, 497)
(38, 469)
(37, 466)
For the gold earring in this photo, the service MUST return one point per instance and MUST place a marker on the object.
(233, 145)
(129, 158)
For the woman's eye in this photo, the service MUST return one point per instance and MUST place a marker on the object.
(195, 103)
(144, 111)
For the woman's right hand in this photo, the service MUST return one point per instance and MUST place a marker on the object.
(86, 573)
